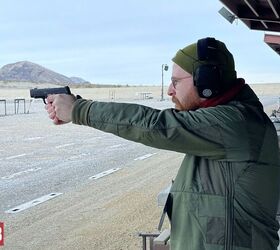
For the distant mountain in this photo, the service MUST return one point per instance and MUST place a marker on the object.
(78, 80)
(25, 71)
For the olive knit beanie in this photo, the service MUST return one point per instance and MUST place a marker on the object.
(189, 59)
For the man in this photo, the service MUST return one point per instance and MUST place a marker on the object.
(226, 192)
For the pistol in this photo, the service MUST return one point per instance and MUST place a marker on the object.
(43, 93)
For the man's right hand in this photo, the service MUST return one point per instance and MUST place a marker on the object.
(59, 108)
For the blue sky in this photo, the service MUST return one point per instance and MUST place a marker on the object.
(125, 41)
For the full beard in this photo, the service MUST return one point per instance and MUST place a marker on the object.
(184, 106)
(178, 105)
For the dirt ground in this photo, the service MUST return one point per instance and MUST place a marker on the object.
(107, 214)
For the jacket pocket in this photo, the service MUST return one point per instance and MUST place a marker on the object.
(242, 235)
(242, 232)
(215, 231)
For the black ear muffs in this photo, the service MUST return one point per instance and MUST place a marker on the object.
(207, 80)
(207, 77)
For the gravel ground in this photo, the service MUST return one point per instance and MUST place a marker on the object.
(106, 214)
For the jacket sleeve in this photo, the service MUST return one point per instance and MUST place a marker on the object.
(185, 132)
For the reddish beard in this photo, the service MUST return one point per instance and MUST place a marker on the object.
(176, 102)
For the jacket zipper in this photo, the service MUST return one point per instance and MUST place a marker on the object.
(229, 208)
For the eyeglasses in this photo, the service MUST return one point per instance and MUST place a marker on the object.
(175, 81)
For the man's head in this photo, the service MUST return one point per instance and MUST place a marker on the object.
(210, 67)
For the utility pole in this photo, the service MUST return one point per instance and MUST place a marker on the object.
(164, 67)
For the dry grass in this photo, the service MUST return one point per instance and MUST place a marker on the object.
(88, 93)
(15, 90)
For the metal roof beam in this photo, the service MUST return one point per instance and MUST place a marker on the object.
(255, 25)
(274, 5)
(260, 18)
(253, 6)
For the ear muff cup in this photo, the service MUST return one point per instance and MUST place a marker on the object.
(207, 79)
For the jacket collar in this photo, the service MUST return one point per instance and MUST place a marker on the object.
(225, 97)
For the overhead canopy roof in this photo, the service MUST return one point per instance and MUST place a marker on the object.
(273, 41)
(256, 14)
(259, 15)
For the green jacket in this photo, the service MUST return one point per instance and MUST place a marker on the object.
(226, 192)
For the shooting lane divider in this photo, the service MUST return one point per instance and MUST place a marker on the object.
(75, 157)
(65, 145)
(30, 170)
(105, 173)
(116, 146)
(33, 138)
(32, 203)
(15, 156)
(143, 157)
